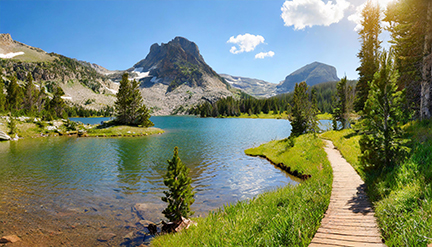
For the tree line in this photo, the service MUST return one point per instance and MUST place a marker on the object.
(41, 100)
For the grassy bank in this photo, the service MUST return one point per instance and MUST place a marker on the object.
(122, 130)
(29, 128)
(284, 115)
(288, 216)
(402, 194)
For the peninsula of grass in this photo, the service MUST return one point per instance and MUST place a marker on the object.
(402, 195)
(122, 130)
(287, 216)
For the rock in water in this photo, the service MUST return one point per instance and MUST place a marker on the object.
(10, 239)
(148, 211)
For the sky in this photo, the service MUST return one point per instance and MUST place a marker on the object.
(262, 39)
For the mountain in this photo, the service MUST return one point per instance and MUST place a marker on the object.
(175, 77)
(313, 74)
(255, 87)
(81, 81)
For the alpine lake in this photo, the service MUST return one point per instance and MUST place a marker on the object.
(72, 191)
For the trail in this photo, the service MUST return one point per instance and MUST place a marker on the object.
(349, 220)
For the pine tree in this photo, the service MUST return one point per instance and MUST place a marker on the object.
(368, 53)
(14, 95)
(180, 194)
(408, 27)
(300, 105)
(312, 111)
(57, 104)
(340, 100)
(130, 109)
(382, 143)
(29, 95)
(2, 97)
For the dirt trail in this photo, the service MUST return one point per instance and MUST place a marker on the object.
(349, 220)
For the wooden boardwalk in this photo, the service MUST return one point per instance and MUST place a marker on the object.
(349, 220)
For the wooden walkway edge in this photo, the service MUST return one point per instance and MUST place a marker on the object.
(349, 220)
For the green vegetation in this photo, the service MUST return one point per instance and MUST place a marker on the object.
(304, 111)
(122, 130)
(369, 51)
(180, 195)
(130, 109)
(286, 216)
(402, 194)
(382, 144)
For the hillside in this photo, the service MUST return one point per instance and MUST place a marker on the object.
(255, 87)
(81, 82)
(313, 74)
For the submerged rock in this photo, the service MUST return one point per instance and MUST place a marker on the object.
(148, 211)
(106, 237)
(10, 239)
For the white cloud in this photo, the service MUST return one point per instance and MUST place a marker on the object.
(245, 43)
(262, 55)
(308, 13)
(357, 16)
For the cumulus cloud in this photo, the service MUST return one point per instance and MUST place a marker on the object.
(262, 55)
(357, 16)
(308, 13)
(245, 43)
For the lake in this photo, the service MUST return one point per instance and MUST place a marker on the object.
(75, 190)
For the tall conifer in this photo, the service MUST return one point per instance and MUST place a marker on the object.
(180, 194)
(369, 51)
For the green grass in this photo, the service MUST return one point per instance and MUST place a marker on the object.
(123, 130)
(270, 115)
(402, 195)
(325, 116)
(287, 216)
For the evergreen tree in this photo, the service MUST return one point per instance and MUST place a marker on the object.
(2, 97)
(57, 105)
(14, 95)
(408, 27)
(130, 109)
(368, 54)
(301, 104)
(382, 143)
(312, 111)
(340, 100)
(29, 95)
(180, 194)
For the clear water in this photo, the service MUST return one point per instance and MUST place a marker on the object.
(87, 186)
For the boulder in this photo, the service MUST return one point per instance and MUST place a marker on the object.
(10, 239)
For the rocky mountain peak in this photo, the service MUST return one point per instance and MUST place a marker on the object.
(5, 38)
(313, 73)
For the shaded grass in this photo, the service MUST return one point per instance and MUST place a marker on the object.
(402, 194)
(287, 216)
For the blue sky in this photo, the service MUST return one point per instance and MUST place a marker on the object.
(118, 34)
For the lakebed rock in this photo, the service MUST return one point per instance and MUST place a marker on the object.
(9, 239)
(148, 211)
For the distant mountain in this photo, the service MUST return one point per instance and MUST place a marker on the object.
(313, 74)
(175, 77)
(255, 87)
(81, 81)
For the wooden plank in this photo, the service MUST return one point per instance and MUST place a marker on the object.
(349, 220)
